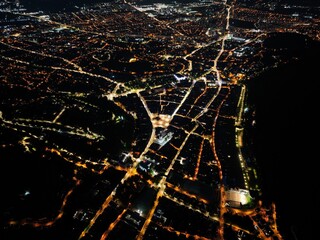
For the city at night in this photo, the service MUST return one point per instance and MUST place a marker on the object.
(159, 119)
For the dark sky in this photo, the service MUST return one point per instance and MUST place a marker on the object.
(54, 5)
(306, 2)
(59, 2)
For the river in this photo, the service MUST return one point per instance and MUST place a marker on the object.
(286, 136)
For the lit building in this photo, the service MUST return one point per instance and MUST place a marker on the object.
(237, 197)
